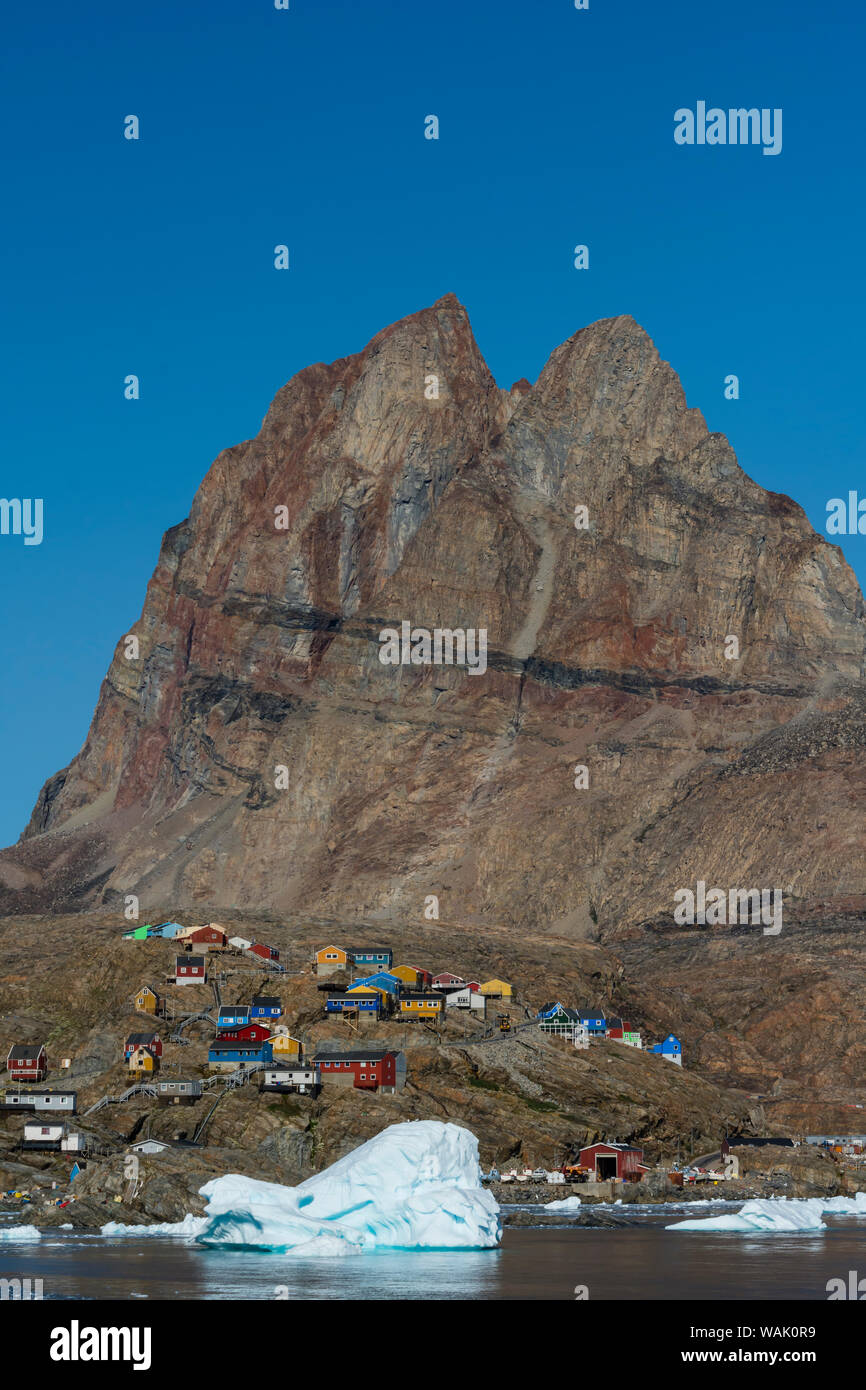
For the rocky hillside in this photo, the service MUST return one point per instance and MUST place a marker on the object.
(652, 615)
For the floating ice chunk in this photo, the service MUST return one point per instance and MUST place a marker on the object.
(799, 1214)
(189, 1226)
(13, 1233)
(415, 1186)
(567, 1204)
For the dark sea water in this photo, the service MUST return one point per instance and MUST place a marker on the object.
(640, 1262)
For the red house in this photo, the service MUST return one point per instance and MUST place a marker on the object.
(190, 970)
(364, 1069)
(27, 1062)
(205, 937)
(244, 1032)
(607, 1161)
(447, 979)
(259, 948)
(152, 1041)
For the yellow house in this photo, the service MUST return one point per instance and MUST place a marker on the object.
(407, 973)
(147, 1000)
(419, 1006)
(331, 958)
(370, 989)
(141, 1060)
(496, 989)
(284, 1045)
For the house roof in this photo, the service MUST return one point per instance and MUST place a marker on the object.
(371, 951)
(355, 1054)
(142, 1039)
(231, 1010)
(264, 1001)
(234, 1044)
(26, 1052)
(421, 994)
(190, 960)
(614, 1022)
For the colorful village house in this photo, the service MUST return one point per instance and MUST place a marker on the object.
(239, 943)
(270, 953)
(423, 1004)
(374, 958)
(496, 989)
(446, 978)
(620, 1161)
(208, 938)
(408, 974)
(364, 1001)
(244, 1032)
(471, 1000)
(300, 1079)
(229, 1015)
(594, 1023)
(330, 959)
(285, 1046)
(42, 1101)
(148, 1000)
(169, 930)
(179, 1092)
(671, 1049)
(387, 984)
(614, 1029)
(364, 1069)
(52, 1135)
(235, 1054)
(27, 1062)
(139, 933)
(152, 1041)
(190, 970)
(142, 1061)
(265, 1006)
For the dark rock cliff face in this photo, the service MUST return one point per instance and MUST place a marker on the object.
(367, 500)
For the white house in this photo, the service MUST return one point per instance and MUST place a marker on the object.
(149, 1146)
(466, 998)
(303, 1079)
(240, 943)
(52, 1135)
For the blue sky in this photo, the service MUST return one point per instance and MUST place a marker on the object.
(306, 127)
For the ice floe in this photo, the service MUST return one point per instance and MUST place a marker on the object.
(779, 1214)
(12, 1233)
(415, 1186)
(189, 1226)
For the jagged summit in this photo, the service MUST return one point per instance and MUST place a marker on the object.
(607, 544)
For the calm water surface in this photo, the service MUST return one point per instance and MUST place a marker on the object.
(640, 1262)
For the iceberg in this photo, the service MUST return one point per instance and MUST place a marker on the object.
(762, 1214)
(415, 1186)
(20, 1233)
(567, 1204)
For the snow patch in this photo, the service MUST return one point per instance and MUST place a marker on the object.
(415, 1186)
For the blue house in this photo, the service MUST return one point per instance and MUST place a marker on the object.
(353, 1003)
(265, 1006)
(377, 959)
(230, 1054)
(168, 930)
(671, 1048)
(551, 1010)
(593, 1023)
(382, 980)
(231, 1014)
